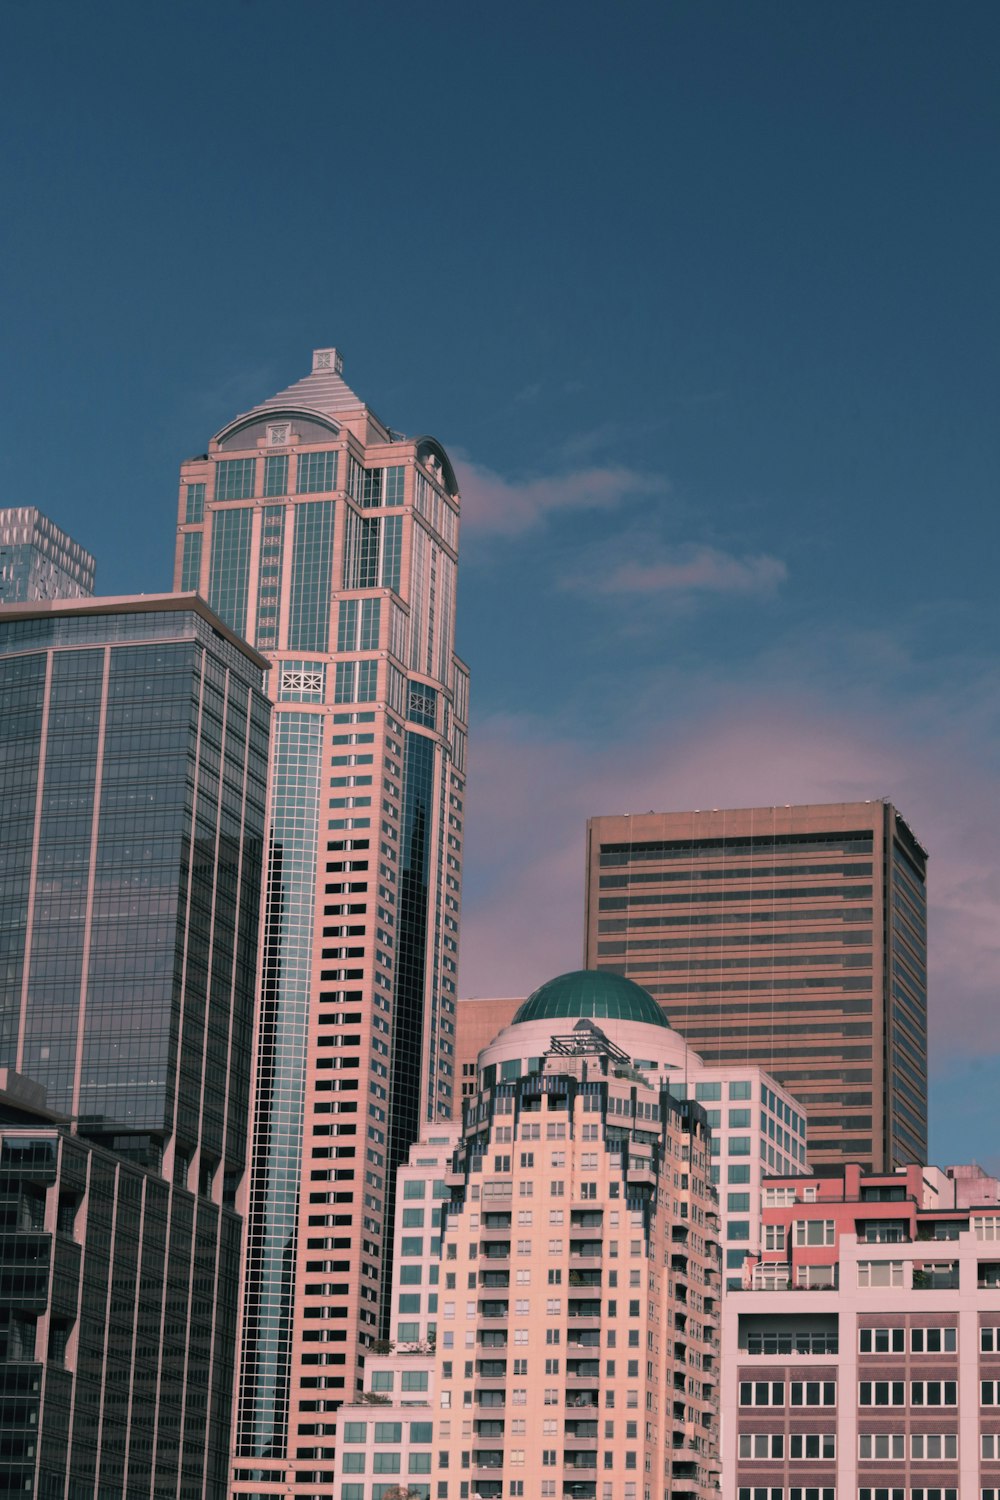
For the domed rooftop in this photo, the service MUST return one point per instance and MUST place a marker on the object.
(585, 992)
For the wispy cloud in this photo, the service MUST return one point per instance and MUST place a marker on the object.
(494, 505)
(687, 571)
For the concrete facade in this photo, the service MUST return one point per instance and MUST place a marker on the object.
(864, 1356)
(790, 937)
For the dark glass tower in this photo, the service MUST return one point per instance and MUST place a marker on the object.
(134, 739)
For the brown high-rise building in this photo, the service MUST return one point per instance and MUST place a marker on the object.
(794, 938)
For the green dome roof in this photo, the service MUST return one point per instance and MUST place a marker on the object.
(586, 992)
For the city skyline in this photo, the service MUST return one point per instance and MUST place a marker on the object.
(712, 320)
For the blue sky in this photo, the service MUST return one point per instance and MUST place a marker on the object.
(703, 297)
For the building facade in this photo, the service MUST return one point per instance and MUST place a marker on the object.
(794, 938)
(574, 1280)
(38, 561)
(132, 797)
(863, 1359)
(330, 542)
(757, 1127)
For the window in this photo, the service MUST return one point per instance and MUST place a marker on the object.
(808, 1445)
(881, 1445)
(933, 1446)
(738, 1229)
(276, 474)
(774, 1236)
(740, 1172)
(234, 479)
(317, 472)
(989, 1340)
(813, 1392)
(741, 1089)
(880, 1273)
(990, 1445)
(815, 1232)
(762, 1445)
(882, 1340)
(762, 1393)
(882, 1393)
(761, 1492)
(738, 1203)
(934, 1340)
(933, 1392)
(194, 502)
(989, 1393)
(739, 1119)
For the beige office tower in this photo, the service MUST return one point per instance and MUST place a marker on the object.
(790, 937)
(330, 542)
(579, 1296)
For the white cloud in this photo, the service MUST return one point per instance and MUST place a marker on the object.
(688, 571)
(497, 506)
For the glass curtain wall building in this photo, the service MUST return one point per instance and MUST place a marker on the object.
(38, 561)
(790, 937)
(134, 738)
(330, 542)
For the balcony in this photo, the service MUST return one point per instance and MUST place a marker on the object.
(578, 1458)
(583, 1369)
(493, 1309)
(585, 1308)
(586, 1218)
(583, 1250)
(581, 1432)
(585, 1278)
(497, 1250)
(582, 1400)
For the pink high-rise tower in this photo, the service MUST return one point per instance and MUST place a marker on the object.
(330, 542)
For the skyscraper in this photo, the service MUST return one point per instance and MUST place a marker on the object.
(134, 756)
(330, 542)
(38, 561)
(792, 937)
(563, 1304)
(737, 1097)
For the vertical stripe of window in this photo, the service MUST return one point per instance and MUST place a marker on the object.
(191, 561)
(312, 559)
(194, 502)
(276, 474)
(230, 566)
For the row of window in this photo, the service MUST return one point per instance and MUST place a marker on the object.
(777, 1492)
(316, 474)
(870, 1393)
(921, 1340)
(921, 1446)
